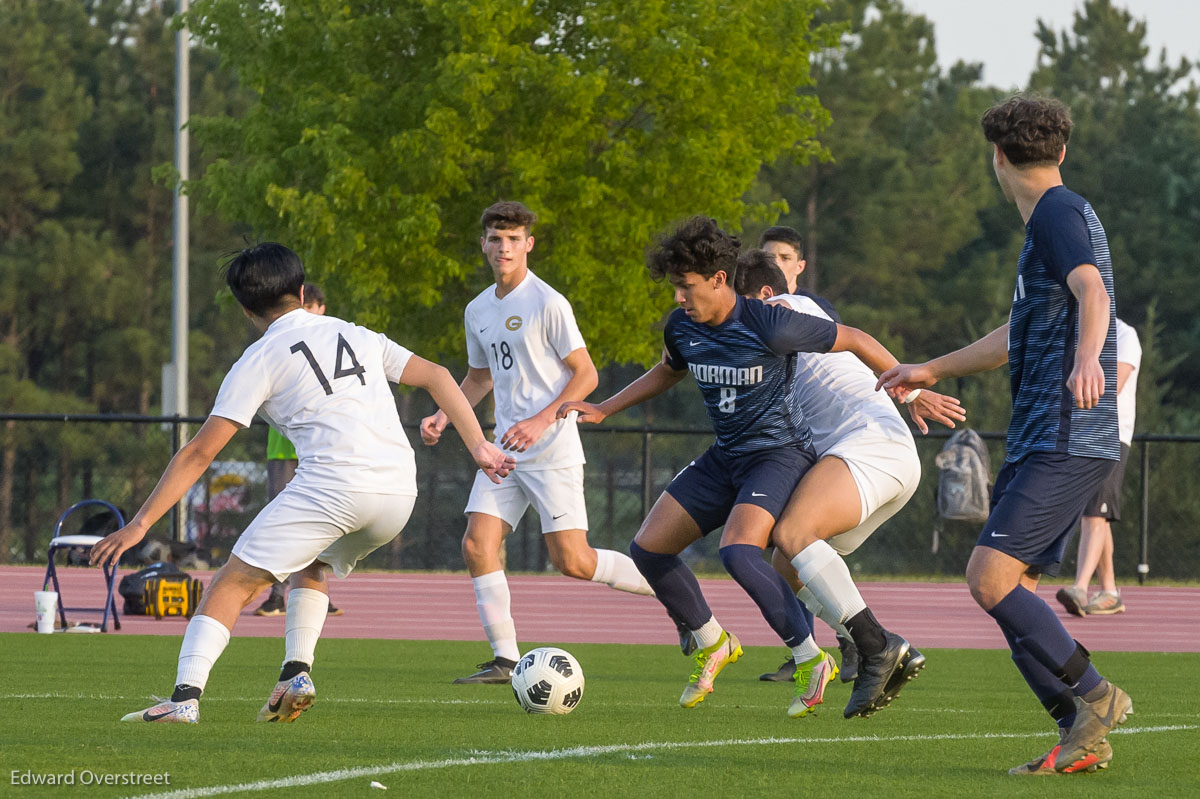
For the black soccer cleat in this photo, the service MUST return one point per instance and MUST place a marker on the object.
(274, 606)
(494, 672)
(910, 666)
(687, 641)
(849, 667)
(785, 673)
(874, 674)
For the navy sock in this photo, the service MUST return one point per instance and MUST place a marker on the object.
(808, 616)
(1052, 692)
(674, 585)
(769, 591)
(1039, 632)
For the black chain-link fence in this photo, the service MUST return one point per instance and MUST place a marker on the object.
(48, 463)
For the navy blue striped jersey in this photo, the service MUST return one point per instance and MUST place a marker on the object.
(744, 368)
(1062, 233)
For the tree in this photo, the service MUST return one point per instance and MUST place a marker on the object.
(41, 107)
(904, 182)
(1135, 155)
(86, 114)
(382, 131)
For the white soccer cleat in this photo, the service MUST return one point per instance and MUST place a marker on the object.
(289, 699)
(168, 712)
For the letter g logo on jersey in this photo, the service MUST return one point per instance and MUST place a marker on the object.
(513, 323)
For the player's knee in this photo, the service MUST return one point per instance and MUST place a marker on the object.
(793, 541)
(571, 563)
(473, 550)
(986, 593)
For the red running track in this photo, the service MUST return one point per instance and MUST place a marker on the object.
(423, 606)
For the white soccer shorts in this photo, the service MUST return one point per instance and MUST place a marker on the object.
(556, 495)
(306, 523)
(886, 469)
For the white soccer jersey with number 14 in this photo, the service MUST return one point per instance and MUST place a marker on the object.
(324, 384)
(523, 339)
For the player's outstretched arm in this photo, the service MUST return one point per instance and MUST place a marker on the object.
(660, 378)
(583, 381)
(1086, 381)
(989, 352)
(865, 346)
(437, 380)
(475, 386)
(181, 473)
(929, 404)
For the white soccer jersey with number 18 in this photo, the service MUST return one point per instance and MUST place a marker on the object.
(523, 339)
(324, 384)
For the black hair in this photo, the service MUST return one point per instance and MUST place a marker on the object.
(757, 268)
(313, 294)
(263, 276)
(698, 245)
(784, 234)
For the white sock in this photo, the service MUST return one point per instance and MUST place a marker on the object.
(825, 575)
(806, 651)
(493, 602)
(203, 642)
(306, 612)
(821, 612)
(708, 635)
(617, 570)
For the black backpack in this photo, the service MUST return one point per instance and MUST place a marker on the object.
(159, 590)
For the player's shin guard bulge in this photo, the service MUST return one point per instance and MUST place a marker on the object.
(709, 663)
(811, 678)
(289, 699)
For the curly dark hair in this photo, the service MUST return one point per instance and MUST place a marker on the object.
(757, 268)
(1029, 130)
(698, 245)
(508, 215)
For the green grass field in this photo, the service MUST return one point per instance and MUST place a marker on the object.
(386, 711)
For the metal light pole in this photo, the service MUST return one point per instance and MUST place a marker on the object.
(179, 294)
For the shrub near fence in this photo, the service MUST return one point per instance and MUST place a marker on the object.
(49, 462)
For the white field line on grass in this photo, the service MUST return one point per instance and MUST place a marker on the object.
(484, 758)
(358, 700)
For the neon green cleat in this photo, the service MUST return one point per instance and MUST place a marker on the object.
(709, 663)
(811, 678)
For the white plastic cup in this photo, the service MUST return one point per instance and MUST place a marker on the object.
(46, 604)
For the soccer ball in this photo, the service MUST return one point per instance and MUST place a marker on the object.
(548, 680)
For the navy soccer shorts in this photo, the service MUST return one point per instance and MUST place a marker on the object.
(711, 485)
(1106, 504)
(1036, 503)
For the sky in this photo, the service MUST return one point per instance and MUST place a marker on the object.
(1001, 34)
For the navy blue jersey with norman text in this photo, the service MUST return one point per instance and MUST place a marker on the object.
(1062, 233)
(744, 368)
